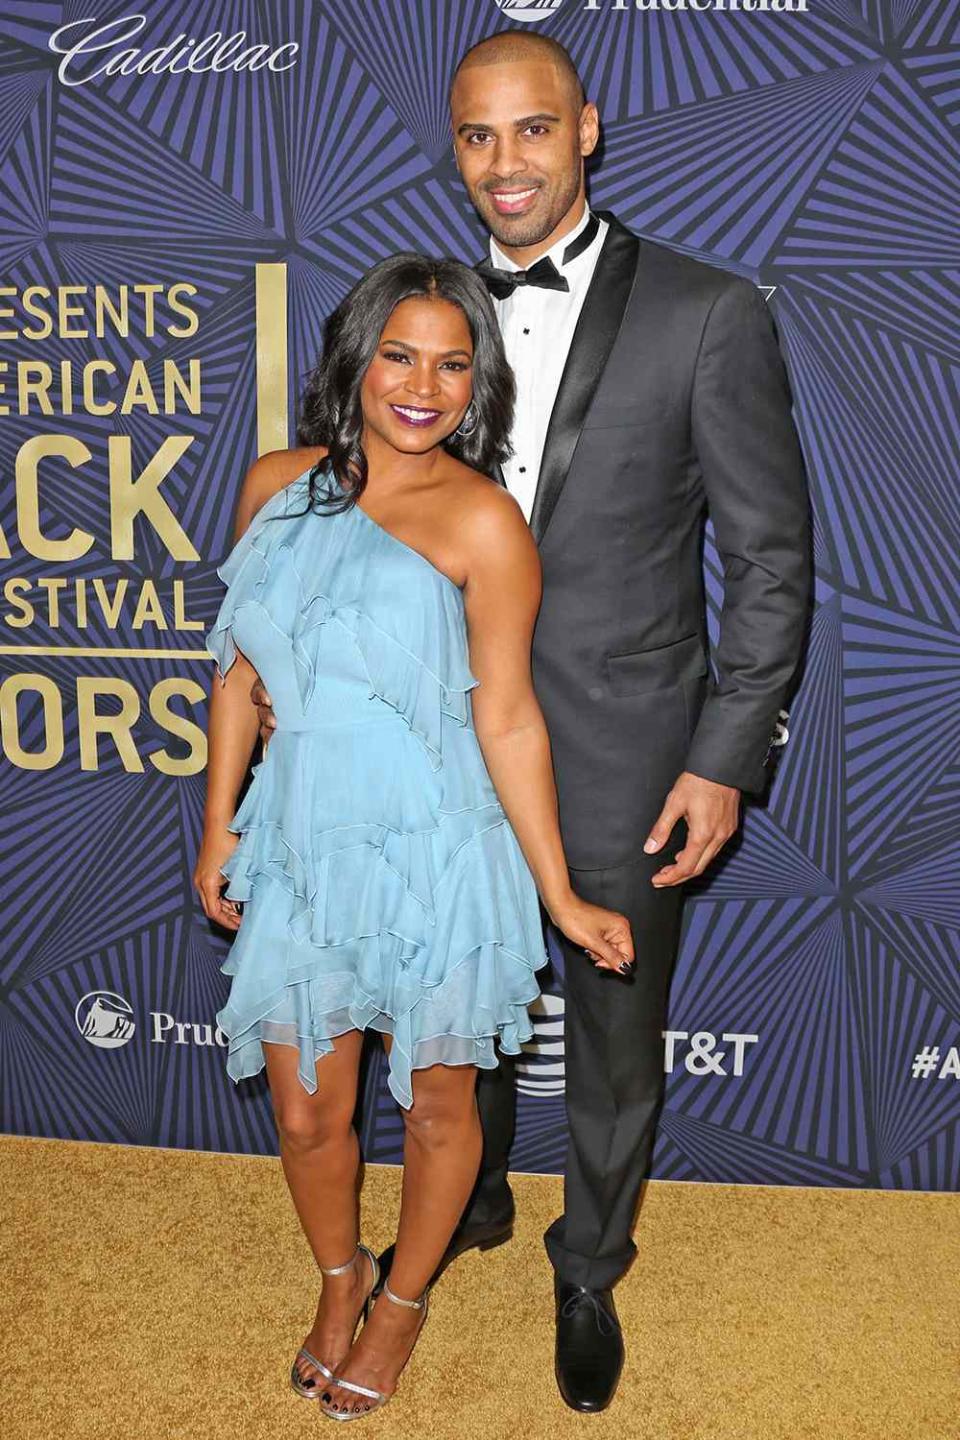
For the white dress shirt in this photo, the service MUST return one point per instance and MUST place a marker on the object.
(537, 326)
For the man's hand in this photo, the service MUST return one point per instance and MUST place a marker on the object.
(712, 813)
(268, 721)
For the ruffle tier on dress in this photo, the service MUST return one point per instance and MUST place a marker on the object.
(384, 886)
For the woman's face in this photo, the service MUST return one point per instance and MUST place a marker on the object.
(419, 383)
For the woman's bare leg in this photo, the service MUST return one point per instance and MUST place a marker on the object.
(442, 1147)
(441, 1158)
(320, 1155)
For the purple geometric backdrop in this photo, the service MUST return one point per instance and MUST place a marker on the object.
(816, 1004)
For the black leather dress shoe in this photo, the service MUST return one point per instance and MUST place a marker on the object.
(589, 1354)
(486, 1236)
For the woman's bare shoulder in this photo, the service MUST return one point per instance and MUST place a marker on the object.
(480, 500)
(495, 540)
(268, 474)
(491, 513)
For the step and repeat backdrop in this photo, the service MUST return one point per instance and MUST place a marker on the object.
(185, 192)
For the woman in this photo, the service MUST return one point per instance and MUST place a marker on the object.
(404, 818)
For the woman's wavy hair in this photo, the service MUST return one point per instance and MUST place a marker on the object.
(330, 411)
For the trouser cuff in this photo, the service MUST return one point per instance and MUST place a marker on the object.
(595, 1272)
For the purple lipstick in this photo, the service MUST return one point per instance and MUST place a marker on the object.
(416, 415)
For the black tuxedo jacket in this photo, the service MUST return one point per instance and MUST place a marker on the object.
(674, 401)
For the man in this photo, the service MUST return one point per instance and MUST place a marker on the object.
(650, 389)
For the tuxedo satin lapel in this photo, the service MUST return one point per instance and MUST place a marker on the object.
(597, 327)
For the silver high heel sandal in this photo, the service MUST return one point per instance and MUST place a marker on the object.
(377, 1396)
(309, 1389)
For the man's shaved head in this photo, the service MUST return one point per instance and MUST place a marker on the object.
(521, 133)
(510, 46)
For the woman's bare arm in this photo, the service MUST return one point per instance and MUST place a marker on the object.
(231, 735)
(502, 597)
(232, 728)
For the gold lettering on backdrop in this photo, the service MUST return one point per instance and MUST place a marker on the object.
(39, 447)
(181, 620)
(53, 589)
(110, 611)
(195, 760)
(129, 497)
(34, 379)
(67, 602)
(139, 391)
(149, 609)
(59, 311)
(14, 592)
(182, 332)
(37, 391)
(272, 429)
(91, 404)
(71, 499)
(118, 725)
(52, 752)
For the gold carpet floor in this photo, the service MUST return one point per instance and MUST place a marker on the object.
(163, 1293)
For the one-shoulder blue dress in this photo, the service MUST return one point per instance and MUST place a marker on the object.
(382, 882)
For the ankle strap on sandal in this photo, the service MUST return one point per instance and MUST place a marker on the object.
(341, 1269)
(410, 1304)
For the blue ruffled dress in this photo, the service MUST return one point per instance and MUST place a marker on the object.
(382, 882)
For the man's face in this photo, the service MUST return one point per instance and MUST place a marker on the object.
(519, 142)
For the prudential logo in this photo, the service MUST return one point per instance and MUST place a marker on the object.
(105, 1019)
(528, 10)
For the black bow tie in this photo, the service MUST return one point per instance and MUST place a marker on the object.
(543, 272)
(502, 283)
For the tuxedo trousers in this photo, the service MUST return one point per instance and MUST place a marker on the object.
(613, 1041)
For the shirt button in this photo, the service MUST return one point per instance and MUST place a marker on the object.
(523, 469)
(526, 329)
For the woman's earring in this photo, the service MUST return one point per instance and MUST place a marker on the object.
(463, 434)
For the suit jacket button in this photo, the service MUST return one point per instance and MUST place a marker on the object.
(595, 692)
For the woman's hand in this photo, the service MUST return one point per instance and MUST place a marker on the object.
(603, 934)
(268, 720)
(208, 879)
